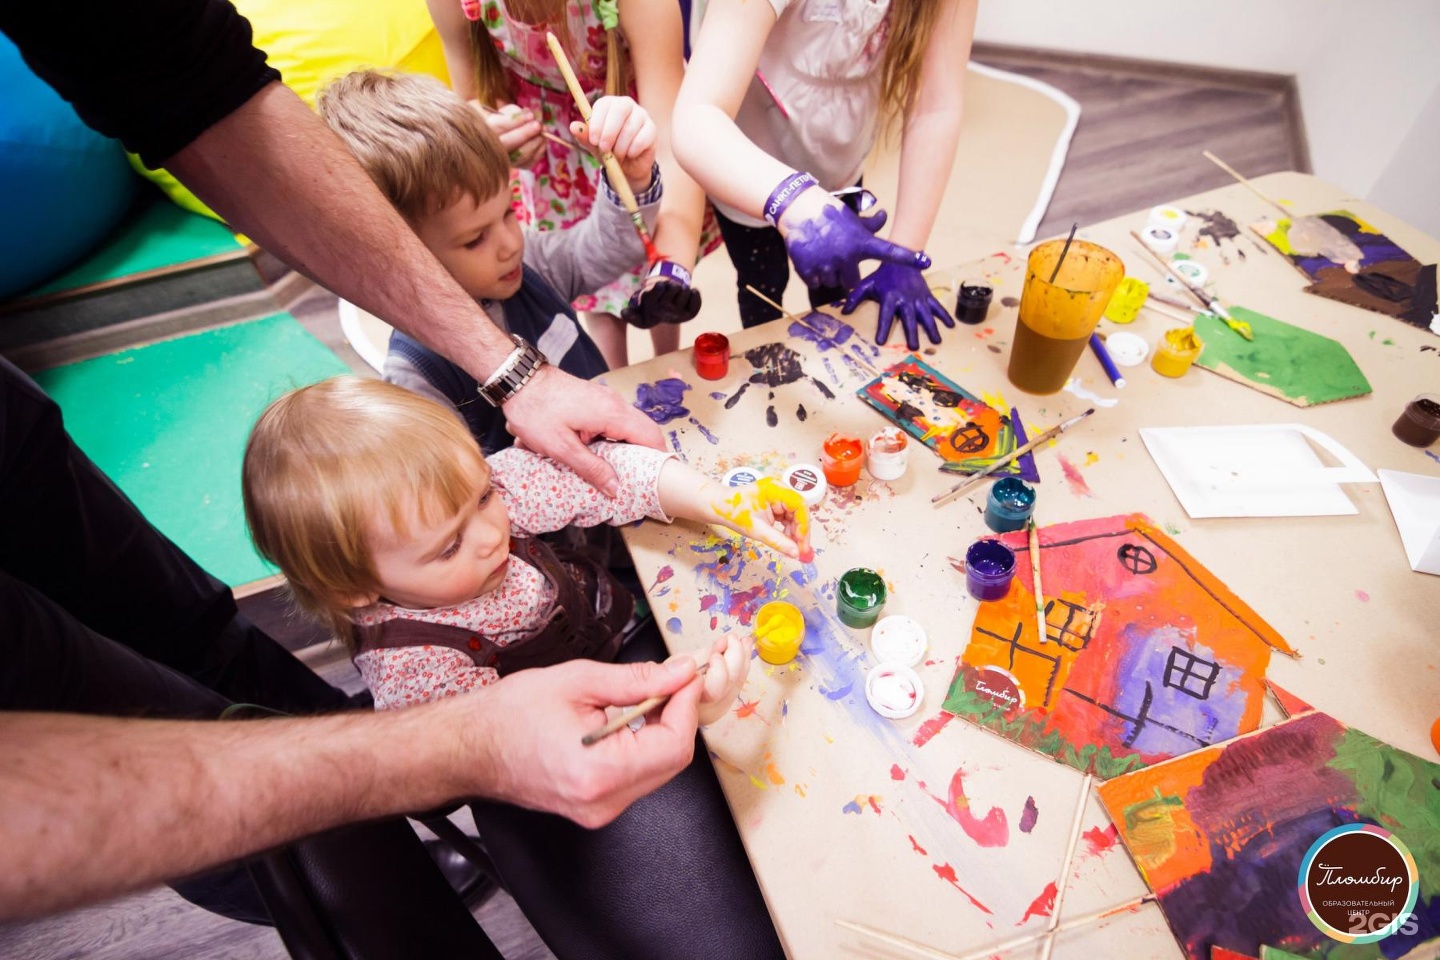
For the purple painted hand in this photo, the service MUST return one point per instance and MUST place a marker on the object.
(665, 297)
(901, 292)
(827, 249)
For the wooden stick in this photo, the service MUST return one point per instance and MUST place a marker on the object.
(1243, 182)
(613, 172)
(634, 713)
(970, 481)
(1211, 303)
(1035, 576)
(1020, 941)
(787, 315)
(1064, 250)
(1053, 926)
(569, 145)
(1162, 298)
(1185, 318)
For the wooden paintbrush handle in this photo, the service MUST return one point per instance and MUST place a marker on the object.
(630, 716)
(613, 173)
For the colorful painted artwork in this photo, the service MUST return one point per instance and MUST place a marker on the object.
(1283, 360)
(1350, 261)
(1146, 655)
(968, 434)
(1220, 834)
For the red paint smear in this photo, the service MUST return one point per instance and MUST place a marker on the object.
(708, 601)
(896, 773)
(665, 573)
(744, 604)
(874, 804)
(914, 843)
(1073, 477)
(747, 709)
(957, 563)
(931, 727)
(1099, 841)
(1041, 905)
(947, 873)
(992, 831)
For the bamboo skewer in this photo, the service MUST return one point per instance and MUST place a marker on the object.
(567, 144)
(1243, 182)
(1053, 926)
(1211, 303)
(613, 172)
(973, 479)
(1040, 631)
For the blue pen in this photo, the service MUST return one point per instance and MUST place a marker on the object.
(1103, 355)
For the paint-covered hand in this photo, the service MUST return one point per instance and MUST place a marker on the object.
(729, 664)
(766, 511)
(902, 294)
(665, 297)
(621, 126)
(518, 130)
(827, 244)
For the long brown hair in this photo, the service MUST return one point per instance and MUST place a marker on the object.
(912, 23)
(493, 81)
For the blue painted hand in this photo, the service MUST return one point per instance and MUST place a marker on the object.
(901, 292)
(827, 249)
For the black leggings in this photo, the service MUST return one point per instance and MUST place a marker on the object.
(762, 262)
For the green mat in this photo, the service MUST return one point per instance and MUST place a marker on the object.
(168, 423)
(158, 235)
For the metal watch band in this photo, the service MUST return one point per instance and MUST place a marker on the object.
(513, 374)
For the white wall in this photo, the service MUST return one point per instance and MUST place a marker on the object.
(1407, 187)
(1366, 70)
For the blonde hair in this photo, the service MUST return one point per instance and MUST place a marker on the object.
(327, 464)
(492, 80)
(912, 23)
(422, 145)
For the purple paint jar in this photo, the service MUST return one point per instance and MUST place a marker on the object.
(989, 567)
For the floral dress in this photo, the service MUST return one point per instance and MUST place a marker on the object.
(559, 188)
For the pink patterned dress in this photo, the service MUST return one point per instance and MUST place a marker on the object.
(559, 188)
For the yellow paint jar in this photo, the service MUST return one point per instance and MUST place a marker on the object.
(779, 629)
(1127, 300)
(1176, 351)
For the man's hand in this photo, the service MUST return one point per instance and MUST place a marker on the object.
(902, 293)
(556, 415)
(525, 731)
(518, 130)
(621, 126)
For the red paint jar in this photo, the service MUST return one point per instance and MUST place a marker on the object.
(712, 355)
(841, 458)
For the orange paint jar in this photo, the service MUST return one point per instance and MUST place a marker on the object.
(841, 458)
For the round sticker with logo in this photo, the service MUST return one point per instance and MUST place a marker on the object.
(1358, 884)
(999, 687)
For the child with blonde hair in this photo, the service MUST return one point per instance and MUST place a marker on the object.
(447, 174)
(782, 97)
(387, 520)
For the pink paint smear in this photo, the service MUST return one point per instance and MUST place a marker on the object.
(993, 830)
(931, 727)
(1041, 905)
(1075, 479)
(947, 873)
(1099, 841)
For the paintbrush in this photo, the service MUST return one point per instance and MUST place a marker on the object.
(544, 133)
(795, 318)
(1064, 250)
(1211, 303)
(613, 172)
(1061, 884)
(1307, 233)
(634, 713)
(1040, 631)
(970, 481)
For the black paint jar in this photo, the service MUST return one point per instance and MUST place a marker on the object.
(973, 303)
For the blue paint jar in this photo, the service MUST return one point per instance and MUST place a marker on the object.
(1011, 502)
(989, 567)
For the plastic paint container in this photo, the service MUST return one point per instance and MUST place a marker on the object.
(1127, 300)
(1009, 505)
(807, 480)
(894, 690)
(973, 303)
(898, 639)
(741, 476)
(842, 456)
(712, 355)
(889, 454)
(1127, 349)
(1162, 240)
(1176, 352)
(779, 631)
(989, 567)
(860, 596)
(1419, 423)
(1168, 217)
(1192, 271)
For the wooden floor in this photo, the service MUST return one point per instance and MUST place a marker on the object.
(1138, 144)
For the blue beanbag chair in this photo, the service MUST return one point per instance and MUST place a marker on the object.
(63, 187)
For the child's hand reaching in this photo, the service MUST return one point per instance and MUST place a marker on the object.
(621, 126)
(769, 512)
(729, 664)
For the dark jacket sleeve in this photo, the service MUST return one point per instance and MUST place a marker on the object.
(154, 74)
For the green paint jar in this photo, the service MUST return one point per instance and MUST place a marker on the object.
(859, 597)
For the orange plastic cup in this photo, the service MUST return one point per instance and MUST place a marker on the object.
(841, 458)
(1056, 319)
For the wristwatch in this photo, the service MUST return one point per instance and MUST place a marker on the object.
(522, 364)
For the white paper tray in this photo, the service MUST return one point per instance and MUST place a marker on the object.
(1254, 470)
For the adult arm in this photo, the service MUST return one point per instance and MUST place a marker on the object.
(96, 806)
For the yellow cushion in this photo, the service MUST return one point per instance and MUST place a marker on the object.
(311, 42)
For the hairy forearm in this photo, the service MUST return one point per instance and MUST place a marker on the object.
(277, 174)
(96, 806)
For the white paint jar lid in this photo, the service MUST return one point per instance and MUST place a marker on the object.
(741, 476)
(898, 639)
(894, 690)
(808, 480)
(1192, 271)
(1127, 349)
